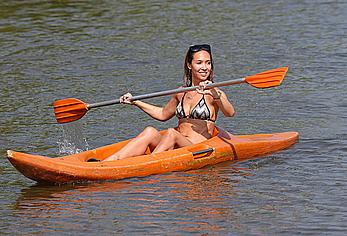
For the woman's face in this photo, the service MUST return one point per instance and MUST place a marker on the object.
(201, 66)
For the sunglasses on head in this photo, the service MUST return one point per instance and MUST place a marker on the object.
(199, 47)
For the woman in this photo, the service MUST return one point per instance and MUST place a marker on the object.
(196, 110)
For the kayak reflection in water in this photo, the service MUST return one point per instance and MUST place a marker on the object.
(196, 110)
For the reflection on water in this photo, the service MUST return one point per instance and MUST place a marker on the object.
(192, 201)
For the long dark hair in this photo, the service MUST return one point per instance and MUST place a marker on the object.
(187, 77)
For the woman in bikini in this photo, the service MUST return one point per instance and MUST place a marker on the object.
(196, 110)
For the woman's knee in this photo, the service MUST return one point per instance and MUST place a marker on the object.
(149, 132)
(171, 133)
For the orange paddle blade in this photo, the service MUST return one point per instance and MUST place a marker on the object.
(267, 79)
(69, 109)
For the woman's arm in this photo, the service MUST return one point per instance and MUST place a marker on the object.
(159, 113)
(222, 101)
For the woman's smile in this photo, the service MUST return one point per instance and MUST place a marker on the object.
(204, 73)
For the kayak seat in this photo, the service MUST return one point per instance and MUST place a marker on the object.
(215, 132)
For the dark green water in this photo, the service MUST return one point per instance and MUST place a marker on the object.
(98, 50)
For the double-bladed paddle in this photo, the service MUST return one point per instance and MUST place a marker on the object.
(72, 109)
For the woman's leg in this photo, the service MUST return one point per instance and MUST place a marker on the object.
(170, 140)
(149, 137)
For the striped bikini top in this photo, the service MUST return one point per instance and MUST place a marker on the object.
(200, 111)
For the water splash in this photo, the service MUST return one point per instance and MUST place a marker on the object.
(72, 140)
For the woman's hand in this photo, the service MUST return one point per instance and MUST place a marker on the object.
(126, 99)
(203, 89)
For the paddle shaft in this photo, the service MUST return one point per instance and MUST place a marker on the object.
(166, 92)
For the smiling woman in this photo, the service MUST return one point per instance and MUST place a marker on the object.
(196, 110)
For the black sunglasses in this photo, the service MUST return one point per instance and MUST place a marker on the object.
(199, 47)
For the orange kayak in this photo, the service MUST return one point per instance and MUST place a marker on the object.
(220, 148)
